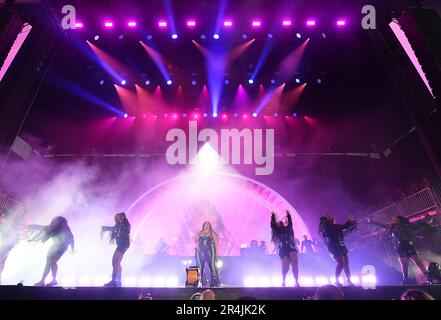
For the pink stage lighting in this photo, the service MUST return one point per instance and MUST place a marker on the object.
(341, 23)
(132, 24)
(162, 24)
(126, 115)
(286, 23)
(78, 25)
(196, 116)
(174, 115)
(256, 23)
(224, 116)
(311, 23)
(108, 24)
(191, 23)
(228, 23)
(245, 116)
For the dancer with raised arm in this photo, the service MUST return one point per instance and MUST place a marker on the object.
(334, 235)
(59, 231)
(283, 238)
(403, 234)
(120, 233)
(206, 253)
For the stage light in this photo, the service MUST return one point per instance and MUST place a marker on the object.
(196, 116)
(193, 82)
(191, 23)
(286, 23)
(219, 264)
(228, 23)
(169, 82)
(149, 37)
(341, 23)
(79, 25)
(306, 281)
(224, 116)
(276, 114)
(215, 36)
(96, 38)
(214, 114)
(144, 115)
(205, 114)
(184, 115)
(174, 36)
(263, 282)
(235, 114)
(324, 36)
(165, 115)
(244, 36)
(126, 115)
(227, 81)
(203, 36)
(270, 36)
(321, 281)
(254, 114)
(319, 81)
(162, 24)
(273, 81)
(123, 82)
(298, 35)
(295, 114)
(131, 24)
(355, 279)
(174, 115)
(297, 80)
(85, 281)
(121, 36)
(130, 281)
(311, 23)
(244, 116)
(101, 82)
(147, 82)
(250, 81)
(256, 23)
(108, 24)
(144, 282)
(249, 282)
(158, 282)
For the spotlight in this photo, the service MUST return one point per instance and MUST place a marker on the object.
(147, 82)
(219, 264)
(196, 116)
(174, 36)
(276, 114)
(244, 116)
(78, 25)
(254, 114)
(123, 82)
(101, 82)
(169, 82)
(297, 80)
(149, 37)
(144, 115)
(298, 35)
(273, 81)
(224, 116)
(228, 23)
(324, 36)
(203, 36)
(174, 115)
(131, 24)
(270, 36)
(256, 23)
(227, 81)
(126, 115)
(191, 23)
(235, 115)
(96, 38)
(214, 114)
(286, 23)
(205, 114)
(311, 23)
(184, 115)
(319, 81)
(341, 23)
(193, 82)
(108, 24)
(215, 36)
(295, 114)
(162, 24)
(244, 36)
(121, 36)
(250, 81)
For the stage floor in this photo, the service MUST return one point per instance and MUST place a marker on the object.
(230, 293)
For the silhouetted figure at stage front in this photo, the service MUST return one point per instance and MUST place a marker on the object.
(120, 233)
(283, 237)
(58, 230)
(307, 244)
(206, 253)
(333, 235)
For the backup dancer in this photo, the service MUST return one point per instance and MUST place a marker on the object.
(58, 230)
(283, 238)
(403, 235)
(120, 233)
(333, 235)
(206, 253)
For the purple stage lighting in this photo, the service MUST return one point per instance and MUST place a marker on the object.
(256, 23)
(131, 24)
(254, 114)
(298, 35)
(174, 36)
(228, 23)
(169, 82)
(341, 23)
(311, 23)
(214, 114)
(191, 23)
(224, 116)
(108, 24)
(79, 25)
(250, 81)
(162, 24)
(245, 116)
(126, 115)
(123, 82)
(286, 23)
(215, 36)
(96, 38)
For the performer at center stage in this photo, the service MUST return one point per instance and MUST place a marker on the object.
(206, 252)
(403, 234)
(62, 238)
(283, 238)
(333, 235)
(120, 233)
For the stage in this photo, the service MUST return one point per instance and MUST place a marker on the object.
(232, 293)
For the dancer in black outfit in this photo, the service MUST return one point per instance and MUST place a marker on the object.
(206, 253)
(333, 235)
(403, 235)
(283, 238)
(62, 238)
(120, 233)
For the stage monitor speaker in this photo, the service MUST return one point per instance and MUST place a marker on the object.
(192, 277)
